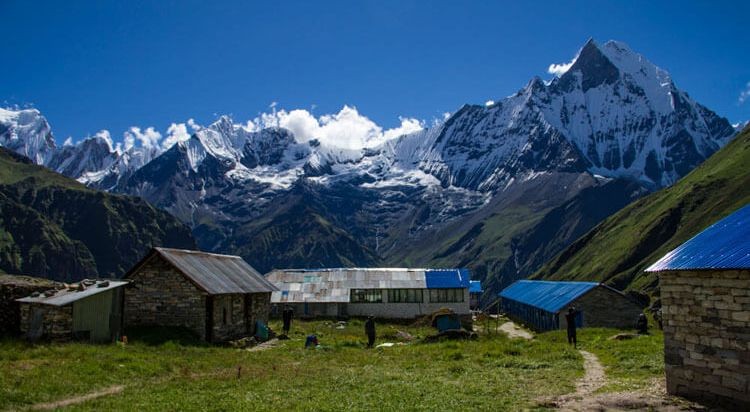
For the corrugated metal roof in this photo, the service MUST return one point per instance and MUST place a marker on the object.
(723, 245)
(546, 295)
(217, 274)
(334, 285)
(64, 297)
(475, 286)
(446, 278)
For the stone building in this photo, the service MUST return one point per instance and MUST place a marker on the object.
(705, 295)
(388, 293)
(12, 288)
(219, 297)
(542, 304)
(90, 310)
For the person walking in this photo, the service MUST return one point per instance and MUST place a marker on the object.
(286, 317)
(570, 319)
(370, 331)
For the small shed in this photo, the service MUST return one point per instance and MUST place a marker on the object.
(90, 310)
(705, 295)
(219, 297)
(540, 304)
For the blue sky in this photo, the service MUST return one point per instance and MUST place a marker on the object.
(111, 65)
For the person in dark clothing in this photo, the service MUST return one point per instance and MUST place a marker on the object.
(286, 316)
(370, 331)
(570, 319)
(641, 325)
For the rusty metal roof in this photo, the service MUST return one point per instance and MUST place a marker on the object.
(62, 297)
(217, 274)
(724, 245)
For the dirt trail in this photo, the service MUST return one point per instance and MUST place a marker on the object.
(264, 346)
(507, 327)
(654, 398)
(515, 331)
(112, 390)
(593, 379)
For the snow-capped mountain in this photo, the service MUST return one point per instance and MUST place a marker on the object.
(28, 133)
(488, 173)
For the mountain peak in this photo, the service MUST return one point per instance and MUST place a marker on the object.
(594, 67)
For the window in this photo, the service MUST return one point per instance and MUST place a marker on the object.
(446, 295)
(405, 295)
(366, 296)
(224, 316)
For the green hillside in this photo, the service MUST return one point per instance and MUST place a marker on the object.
(54, 227)
(510, 239)
(621, 247)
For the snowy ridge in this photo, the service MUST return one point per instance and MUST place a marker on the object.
(28, 133)
(611, 113)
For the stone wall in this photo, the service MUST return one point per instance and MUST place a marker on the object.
(229, 318)
(159, 295)
(232, 320)
(706, 317)
(260, 309)
(16, 287)
(605, 308)
(57, 321)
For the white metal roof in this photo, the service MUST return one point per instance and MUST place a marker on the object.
(334, 285)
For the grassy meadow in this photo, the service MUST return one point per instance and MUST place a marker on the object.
(491, 373)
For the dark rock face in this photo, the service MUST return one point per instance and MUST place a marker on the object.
(594, 67)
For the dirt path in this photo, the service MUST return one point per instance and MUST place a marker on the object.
(112, 390)
(507, 327)
(264, 346)
(654, 398)
(515, 331)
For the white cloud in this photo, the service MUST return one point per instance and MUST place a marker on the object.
(560, 69)
(408, 125)
(745, 94)
(193, 125)
(347, 129)
(149, 138)
(489, 102)
(177, 132)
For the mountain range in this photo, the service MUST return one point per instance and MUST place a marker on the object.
(500, 188)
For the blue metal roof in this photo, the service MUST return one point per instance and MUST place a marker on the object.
(475, 286)
(546, 295)
(723, 245)
(446, 278)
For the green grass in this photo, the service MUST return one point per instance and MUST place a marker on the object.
(490, 373)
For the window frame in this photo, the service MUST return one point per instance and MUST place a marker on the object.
(447, 295)
(366, 296)
(405, 295)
